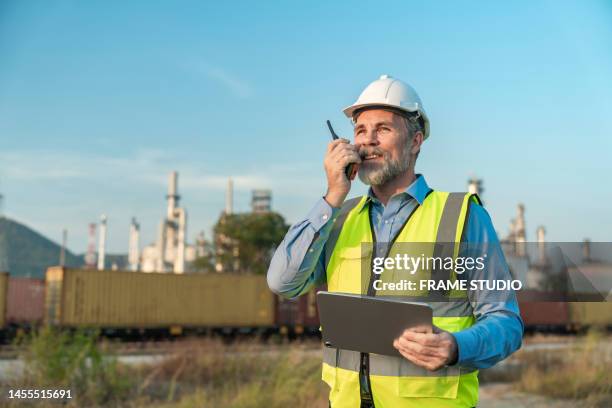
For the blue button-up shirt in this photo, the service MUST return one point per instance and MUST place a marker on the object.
(298, 266)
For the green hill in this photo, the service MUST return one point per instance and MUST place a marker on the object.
(25, 252)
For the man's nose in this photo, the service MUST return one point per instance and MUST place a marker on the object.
(369, 138)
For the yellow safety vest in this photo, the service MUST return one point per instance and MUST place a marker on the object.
(394, 381)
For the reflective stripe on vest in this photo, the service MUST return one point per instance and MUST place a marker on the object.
(396, 382)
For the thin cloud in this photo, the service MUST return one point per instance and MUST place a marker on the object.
(237, 86)
(219, 182)
(42, 165)
(147, 167)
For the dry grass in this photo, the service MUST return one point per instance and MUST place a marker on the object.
(581, 372)
(209, 373)
(241, 375)
(202, 373)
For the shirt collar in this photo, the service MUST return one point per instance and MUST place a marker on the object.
(417, 190)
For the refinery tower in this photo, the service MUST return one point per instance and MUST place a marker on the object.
(170, 251)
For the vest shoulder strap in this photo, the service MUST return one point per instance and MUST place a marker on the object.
(346, 208)
(447, 232)
(450, 217)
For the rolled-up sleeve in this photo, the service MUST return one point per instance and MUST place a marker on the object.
(297, 264)
(498, 330)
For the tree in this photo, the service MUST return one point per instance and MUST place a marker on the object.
(203, 264)
(245, 242)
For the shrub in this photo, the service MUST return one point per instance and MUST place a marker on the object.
(72, 360)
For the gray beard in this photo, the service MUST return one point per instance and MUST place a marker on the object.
(379, 174)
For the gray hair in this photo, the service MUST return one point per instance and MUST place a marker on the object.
(413, 123)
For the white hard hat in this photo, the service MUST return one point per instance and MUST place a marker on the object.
(393, 93)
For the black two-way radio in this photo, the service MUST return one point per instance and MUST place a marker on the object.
(351, 169)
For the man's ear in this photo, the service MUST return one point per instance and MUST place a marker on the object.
(417, 141)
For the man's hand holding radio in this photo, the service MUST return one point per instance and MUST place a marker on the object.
(340, 153)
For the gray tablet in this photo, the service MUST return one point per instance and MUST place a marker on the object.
(368, 324)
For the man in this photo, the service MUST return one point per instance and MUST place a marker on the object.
(471, 330)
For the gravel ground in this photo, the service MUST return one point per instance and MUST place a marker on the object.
(503, 396)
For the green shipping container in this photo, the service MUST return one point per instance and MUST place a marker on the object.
(118, 299)
(588, 314)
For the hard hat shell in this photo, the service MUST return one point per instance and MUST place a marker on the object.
(391, 92)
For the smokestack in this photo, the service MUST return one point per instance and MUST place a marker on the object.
(62, 259)
(102, 243)
(200, 245)
(161, 247)
(229, 197)
(173, 197)
(134, 254)
(520, 222)
(586, 250)
(541, 233)
(90, 259)
(520, 231)
(475, 186)
(179, 258)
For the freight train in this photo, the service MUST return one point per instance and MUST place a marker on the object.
(138, 305)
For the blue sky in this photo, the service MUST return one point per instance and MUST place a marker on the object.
(100, 100)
